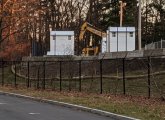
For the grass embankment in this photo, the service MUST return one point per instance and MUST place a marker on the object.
(138, 107)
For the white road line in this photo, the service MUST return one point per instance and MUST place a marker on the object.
(34, 113)
(3, 103)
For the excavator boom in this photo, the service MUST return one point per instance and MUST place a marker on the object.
(88, 27)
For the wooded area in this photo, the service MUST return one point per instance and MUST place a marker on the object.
(25, 22)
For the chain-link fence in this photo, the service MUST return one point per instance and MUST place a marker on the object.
(128, 76)
(155, 45)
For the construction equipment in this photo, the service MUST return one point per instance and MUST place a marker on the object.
(90, 50)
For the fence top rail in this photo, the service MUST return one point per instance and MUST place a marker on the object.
(41, 61)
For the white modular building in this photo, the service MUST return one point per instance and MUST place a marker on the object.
(61, 43)
(120, 39)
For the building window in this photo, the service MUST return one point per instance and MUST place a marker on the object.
(54, 37)
(131, 34)
(69, 37)
(113, 34)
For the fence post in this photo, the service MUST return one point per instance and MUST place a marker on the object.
(80, 76)
(60, 75)
(43, 81)
(28, 77)
(101, 77)
(149, 74)
(15, 68)
(38, 78)
(124, 91)
(2, 63)
(69, 77)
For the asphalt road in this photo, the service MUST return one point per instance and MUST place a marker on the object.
(13, 108)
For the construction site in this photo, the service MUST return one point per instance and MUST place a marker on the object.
(94, 47)
(111, 60)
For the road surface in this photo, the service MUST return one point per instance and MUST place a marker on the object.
(13, 108)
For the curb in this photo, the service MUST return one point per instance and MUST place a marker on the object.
(77, 107)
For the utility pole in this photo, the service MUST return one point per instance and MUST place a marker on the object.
(122, 5)
(139, 26)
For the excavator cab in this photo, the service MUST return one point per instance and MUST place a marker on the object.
(89, 51)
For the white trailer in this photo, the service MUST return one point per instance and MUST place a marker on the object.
(119, 39)
(61, 43)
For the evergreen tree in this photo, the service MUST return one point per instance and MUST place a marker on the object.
(131, 13)
(110, 14)
(159, 27)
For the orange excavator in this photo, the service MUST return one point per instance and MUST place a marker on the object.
(90, 49)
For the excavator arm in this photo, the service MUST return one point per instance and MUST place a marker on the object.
(88, 27)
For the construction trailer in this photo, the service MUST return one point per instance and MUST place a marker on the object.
(61, 43)
(120, 39)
